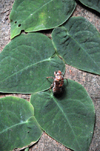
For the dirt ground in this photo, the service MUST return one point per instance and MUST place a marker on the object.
(89, 81)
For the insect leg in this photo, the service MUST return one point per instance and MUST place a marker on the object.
(51, 87)
(50, 77)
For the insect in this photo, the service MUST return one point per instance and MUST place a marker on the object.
(58, 82)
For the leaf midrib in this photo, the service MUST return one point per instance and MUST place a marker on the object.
(67, 121)
(49, 59)
(37, 10)
(15, 125)
(68, 34)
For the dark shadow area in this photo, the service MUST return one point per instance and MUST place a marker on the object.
(87, 8)
(62, 94)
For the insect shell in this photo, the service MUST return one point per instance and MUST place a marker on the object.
(58, 82)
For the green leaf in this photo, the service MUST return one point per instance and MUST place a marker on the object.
(26, 62)
(94, 4)
(78, 42)
(18, 126)
(32, 15)
(69, 118)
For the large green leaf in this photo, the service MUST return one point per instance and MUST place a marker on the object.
(69, 118)
(26, 62)
(78, 42)
(94, 4)
(34, 15)
(18, 126)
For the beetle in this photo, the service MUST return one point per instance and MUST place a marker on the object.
(58, 82)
